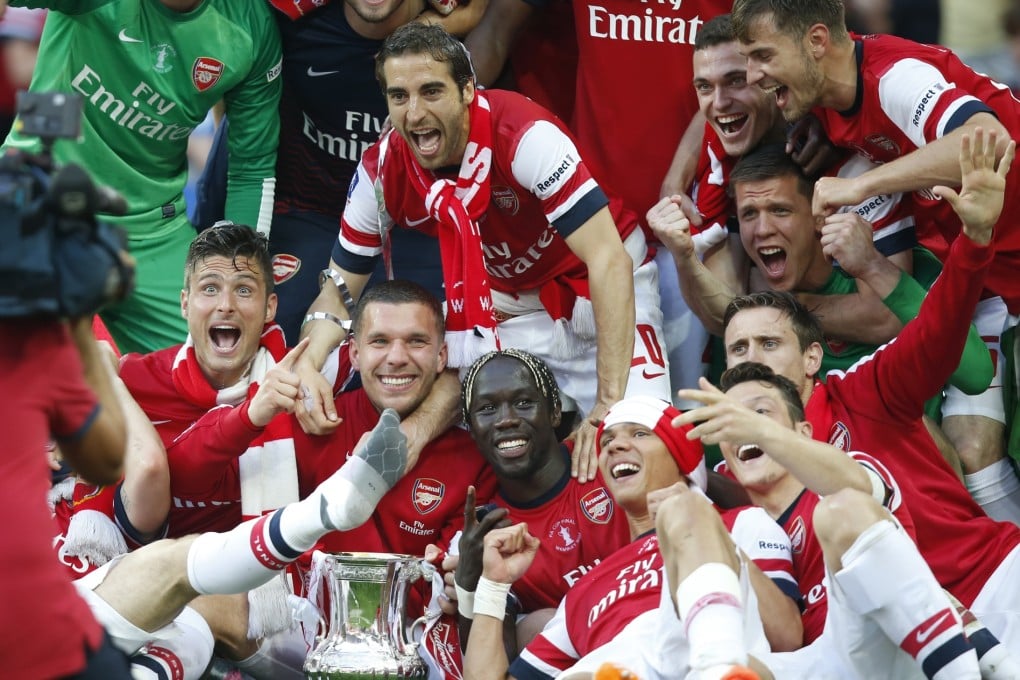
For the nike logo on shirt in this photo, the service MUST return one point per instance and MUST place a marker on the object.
(124, 37)
(312, 73)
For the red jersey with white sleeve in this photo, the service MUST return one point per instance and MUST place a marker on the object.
(628, 583)
(808, 561)
(541, 192)
(891, 215)
(578, 525)
(425, 506)
(877, 406)
(911, 94)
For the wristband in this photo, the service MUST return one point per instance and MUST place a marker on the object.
(465, 601)
(490, 598)
(330, 274)
(326, 316)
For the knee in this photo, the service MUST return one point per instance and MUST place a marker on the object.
(841, 517)
(979, 441)
(689, 528)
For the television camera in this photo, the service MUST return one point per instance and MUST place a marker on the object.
(56, 257)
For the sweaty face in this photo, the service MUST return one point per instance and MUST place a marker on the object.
(633, 461)
(510, 421)
(226, 305)
(765, 335)
(777, 231)
(399, 352)
(783, 67)
(428, 109)
(741, 114)
(754, 468)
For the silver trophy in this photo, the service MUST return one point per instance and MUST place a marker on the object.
(369, 634)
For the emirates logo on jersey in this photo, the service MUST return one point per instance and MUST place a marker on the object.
(564, 535)
(206, 72)
(505, 199)
(839, 436)
(427, 494)
(285, 267)
(797, 533)
(597, 506)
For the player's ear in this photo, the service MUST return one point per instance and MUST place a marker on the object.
(813, 359)
(468, 93)
(804, 427)
(817, 39)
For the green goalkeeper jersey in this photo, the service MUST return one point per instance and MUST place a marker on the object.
(149, 76)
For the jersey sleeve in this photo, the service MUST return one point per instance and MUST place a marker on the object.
(202, 456)
(901, 375)
(550, 653)
(360, 242)
(254, 132)
(710, 197)
(765, 543)
(922, 103)
(546, 163)
(891, 215)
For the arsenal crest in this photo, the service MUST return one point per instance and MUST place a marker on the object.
(427, 494)
(285, 267)
(797, 532)
(505, 199)
(597, 506)
(206, 72)
(839, 436)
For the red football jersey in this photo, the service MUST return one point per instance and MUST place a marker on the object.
(911, 94)
(876, 406)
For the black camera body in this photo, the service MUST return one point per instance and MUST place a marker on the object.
(56, 258)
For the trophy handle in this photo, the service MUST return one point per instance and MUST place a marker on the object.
(415, 630)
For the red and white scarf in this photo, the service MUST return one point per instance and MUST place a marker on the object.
(268, 469)
(457, 207)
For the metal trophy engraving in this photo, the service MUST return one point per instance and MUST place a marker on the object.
(369, 633)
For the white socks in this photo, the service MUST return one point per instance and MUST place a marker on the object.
(996, 488)
(251, 553)
(885, 579)
(712, 612)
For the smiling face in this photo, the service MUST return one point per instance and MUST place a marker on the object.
(427, 108)
(741, 114)
(399, 350)
(226, 305)
(783, 66)
(633, 461)
(512, 424)
(777, 231)
(753, 468)
(373, 11)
